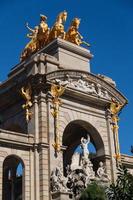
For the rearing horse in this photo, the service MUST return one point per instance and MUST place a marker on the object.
(58, 28)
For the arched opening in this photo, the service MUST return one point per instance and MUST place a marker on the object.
(13, 178)
(72, 135)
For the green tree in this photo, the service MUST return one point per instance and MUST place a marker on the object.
(123, 188)
(93, 192)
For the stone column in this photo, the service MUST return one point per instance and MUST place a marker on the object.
(43, 148)
(36, 153)
(111, 146)
(31, 175)
(44, 173)
(43, 119)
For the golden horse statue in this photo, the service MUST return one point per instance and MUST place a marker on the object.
(58, 28)
(72, 35)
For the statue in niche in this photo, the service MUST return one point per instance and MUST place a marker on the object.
(80, 173)
(102, 175)
(84, 146)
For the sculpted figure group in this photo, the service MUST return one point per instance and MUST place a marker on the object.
(41, 35)
(80, 173)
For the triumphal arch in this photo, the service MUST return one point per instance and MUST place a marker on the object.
(52, 109)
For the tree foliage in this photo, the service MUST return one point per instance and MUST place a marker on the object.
(123, 189)
(93, 192)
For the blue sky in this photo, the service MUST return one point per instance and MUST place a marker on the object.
(106, 24)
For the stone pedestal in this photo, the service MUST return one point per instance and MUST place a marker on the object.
(59, 54)
(61, 195)
(69, 55)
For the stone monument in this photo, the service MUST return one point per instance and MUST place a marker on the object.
(51, 104)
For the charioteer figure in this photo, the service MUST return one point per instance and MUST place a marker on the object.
(72, 35)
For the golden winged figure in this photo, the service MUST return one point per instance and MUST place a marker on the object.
(115, 107)
(26, 94)
(57, 90)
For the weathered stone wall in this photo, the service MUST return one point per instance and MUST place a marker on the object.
(13, 118)
(44, 173)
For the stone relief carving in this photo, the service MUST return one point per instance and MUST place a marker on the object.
(74, 76)
(83, 85)
(80, 173)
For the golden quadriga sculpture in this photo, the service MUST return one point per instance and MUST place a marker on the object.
(41, 35)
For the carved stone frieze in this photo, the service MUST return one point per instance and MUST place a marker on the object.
(87, 87)
(87, 83)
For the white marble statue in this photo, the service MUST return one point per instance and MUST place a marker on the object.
(84, 146)
(87, 167)
(58, 181)
(101, 173)
(55, 186)
(75, 161)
